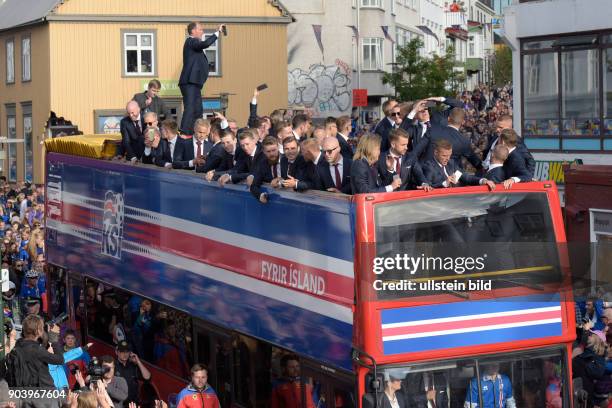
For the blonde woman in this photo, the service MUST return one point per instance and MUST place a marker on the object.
(364, 173)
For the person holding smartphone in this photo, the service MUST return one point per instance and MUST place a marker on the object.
(129, 367)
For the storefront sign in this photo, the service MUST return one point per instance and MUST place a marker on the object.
(552, 170)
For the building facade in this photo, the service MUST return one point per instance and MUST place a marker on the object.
(336, 46)
(562, 78)
(84, 59)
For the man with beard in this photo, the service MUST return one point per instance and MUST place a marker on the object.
(266, 170)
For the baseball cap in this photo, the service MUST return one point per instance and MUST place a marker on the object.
(11, 286)
(32, 300)
(393, 375)
(31, 274)
(123, 346)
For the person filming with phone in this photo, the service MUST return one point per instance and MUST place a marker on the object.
(195, 73)
(129, 367)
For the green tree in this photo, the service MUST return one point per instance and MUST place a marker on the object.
(416, 77)
(502, 66)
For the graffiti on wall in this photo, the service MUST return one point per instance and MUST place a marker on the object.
(322, 88)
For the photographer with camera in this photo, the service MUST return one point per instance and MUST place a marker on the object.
(129, 367)
(116, 387)
(27, 365)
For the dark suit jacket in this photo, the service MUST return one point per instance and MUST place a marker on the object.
(162, 154)
(189, 153)
(195, 64)
(214, 159)
(514, 166)
(440, 117)
(245, 164)
(434, 175)
(327, 181)
(346, 149)
(496, 175)
(365, 179)
(411, 173)
(382, 129)
(157, 105)
(252, 115)
(529, 160)
(415, 131)
(295, 169)
(132, 139)
(262, 174)
(461, 146)
(309, 178)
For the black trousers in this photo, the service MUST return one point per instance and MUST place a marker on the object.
(192, 106)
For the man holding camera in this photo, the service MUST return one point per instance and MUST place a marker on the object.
(116, 387)
(129, 367)
(194, 73)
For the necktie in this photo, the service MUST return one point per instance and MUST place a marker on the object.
(338, 177)
(397, 165)
(274, 171)
(137, 125)
(199, 148)
(290, 170)
(427, 125)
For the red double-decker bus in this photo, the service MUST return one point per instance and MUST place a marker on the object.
(456, 297)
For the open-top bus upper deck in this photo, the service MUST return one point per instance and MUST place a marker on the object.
(298, 272)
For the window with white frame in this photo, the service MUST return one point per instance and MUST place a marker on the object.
(139, 53)
(372, 54)
(26, 59)
(10, 61)
(371, 3)
(212, 54)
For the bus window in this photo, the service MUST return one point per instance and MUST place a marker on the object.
(514, 233)
(531, 379)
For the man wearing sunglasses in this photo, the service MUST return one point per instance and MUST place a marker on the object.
(392, 120)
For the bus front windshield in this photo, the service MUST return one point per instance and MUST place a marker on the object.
(504, 237)
(531, 379)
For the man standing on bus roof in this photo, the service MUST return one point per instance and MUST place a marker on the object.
(287, 393)
(496, 390)
(198, 394)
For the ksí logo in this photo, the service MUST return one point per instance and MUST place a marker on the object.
(112, 224)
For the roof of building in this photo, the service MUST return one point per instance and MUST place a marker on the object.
(16, 13)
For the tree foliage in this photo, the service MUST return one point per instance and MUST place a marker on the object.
(502, 66)
(416, 77)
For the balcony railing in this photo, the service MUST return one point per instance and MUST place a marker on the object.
(456, 19)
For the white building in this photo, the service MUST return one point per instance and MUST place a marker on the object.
(321, 78)
(562, 58)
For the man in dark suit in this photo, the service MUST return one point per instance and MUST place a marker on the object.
(405, 165)
(514, 166)
(197, 147)
(443, 172)
(345, 127)
(391, 120)
(131, 128)
(171, 148)
(216, 153)
(417, 123)
(268, 170)
(194, 73)
(246, 159)
(292, 162)
(308, 178)
(426, 389)
(221, 160)
(496, 172)
(440, 116)
(462, 146)
(505, 122)
(335, 170)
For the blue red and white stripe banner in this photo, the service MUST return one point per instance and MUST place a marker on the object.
(473, 323)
